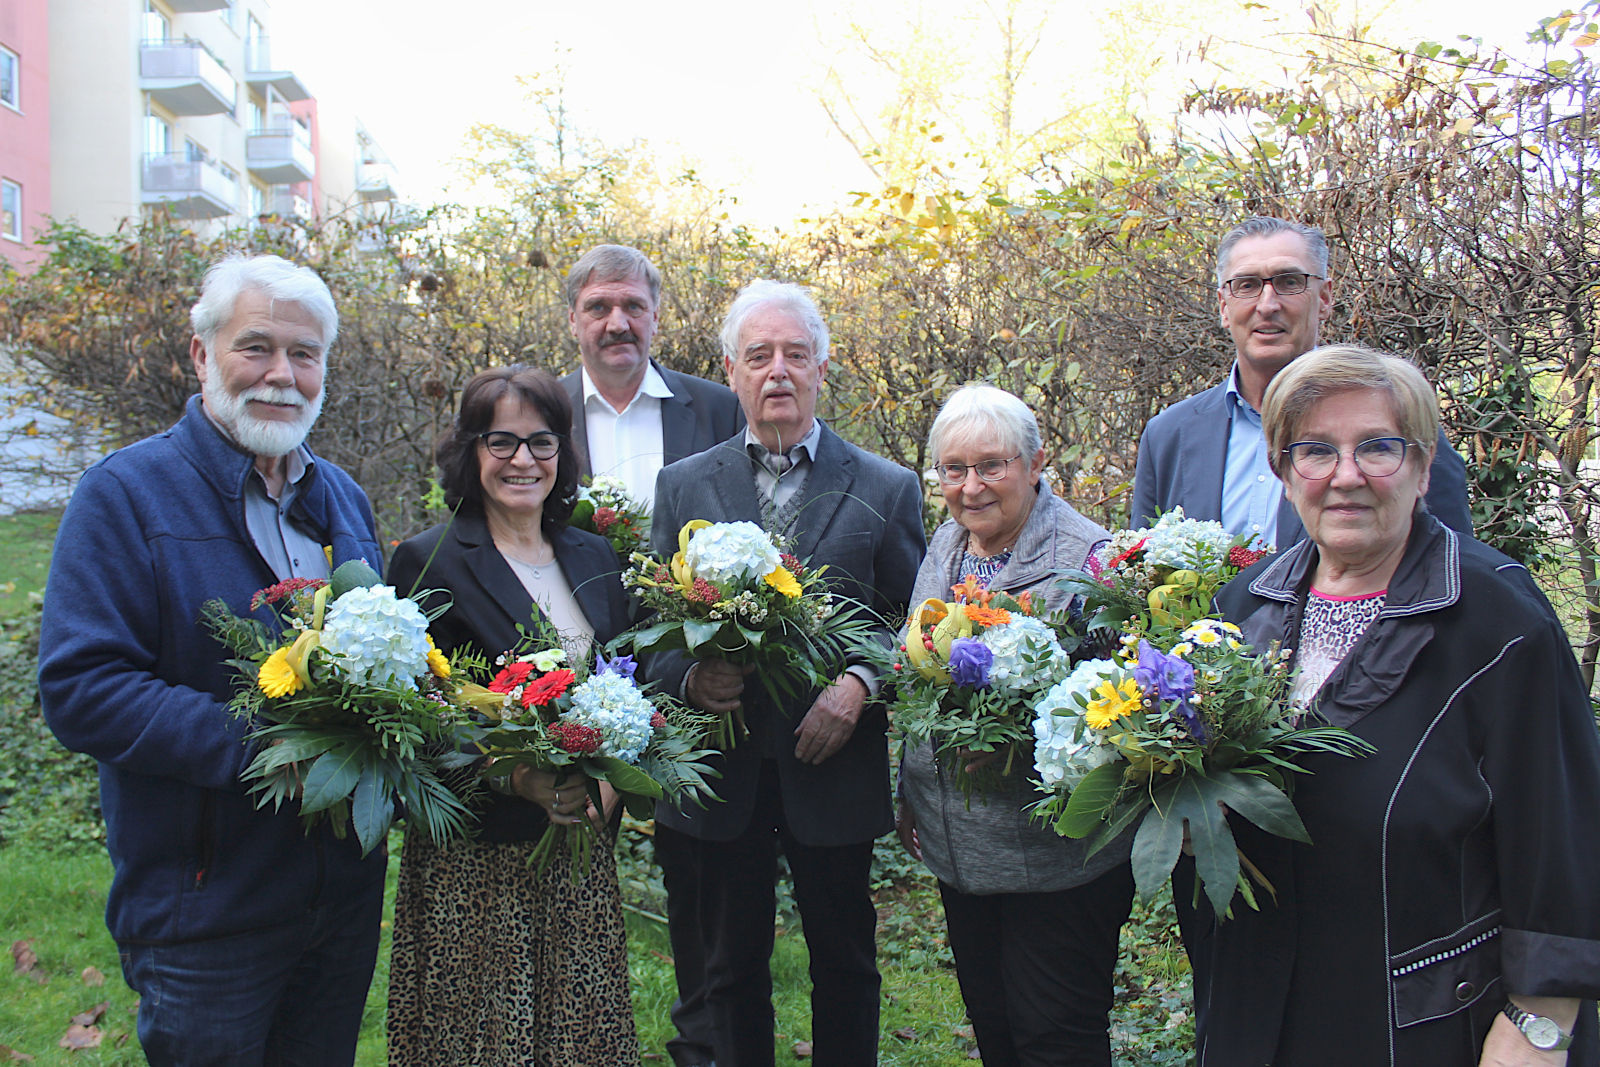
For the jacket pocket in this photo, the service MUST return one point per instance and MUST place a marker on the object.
(1448, 974)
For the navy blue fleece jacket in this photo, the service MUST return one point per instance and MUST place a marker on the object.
(129, 675)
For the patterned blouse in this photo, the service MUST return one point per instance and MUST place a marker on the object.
(1330, 629)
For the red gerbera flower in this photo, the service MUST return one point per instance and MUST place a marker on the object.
(575, 737)
(512, 676)
(544, 690)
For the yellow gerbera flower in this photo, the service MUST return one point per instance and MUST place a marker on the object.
(1113, 703)
(436, 660)
(784, 582)
(276, 678)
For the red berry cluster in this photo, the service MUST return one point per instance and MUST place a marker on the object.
(1242, 557)
(576, 738)
(657, 720)
(703, 592)
(792, 564)
(663, 576)
(604, 519)
(284, 590)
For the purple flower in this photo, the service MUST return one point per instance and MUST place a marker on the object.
(1170, 678)
(969, 662)
(623, 666)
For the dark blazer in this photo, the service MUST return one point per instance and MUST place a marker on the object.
(1453, 865)
(487, 601)
(696, 416)
(861, 516)
(1184, 454)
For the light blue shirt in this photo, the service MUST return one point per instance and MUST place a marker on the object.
(1250, 491)
(290, 551)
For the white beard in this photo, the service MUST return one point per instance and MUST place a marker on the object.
(260, 437)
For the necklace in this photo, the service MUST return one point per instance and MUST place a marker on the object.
(534, 565)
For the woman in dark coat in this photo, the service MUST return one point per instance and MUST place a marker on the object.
(1446, 912)
(493, 963)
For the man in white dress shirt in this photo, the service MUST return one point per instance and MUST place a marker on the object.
(630, 415)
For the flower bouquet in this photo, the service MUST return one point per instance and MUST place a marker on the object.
(354, 709)
(540, 712)
(1164, 738)
(731, 593)
(971, 671)
(1160, 579)
(605, 508)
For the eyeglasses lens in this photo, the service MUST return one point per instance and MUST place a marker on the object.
(505, 445)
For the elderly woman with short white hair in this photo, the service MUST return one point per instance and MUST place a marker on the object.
(1033, 924)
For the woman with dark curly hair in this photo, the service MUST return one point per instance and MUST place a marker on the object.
(495, 965)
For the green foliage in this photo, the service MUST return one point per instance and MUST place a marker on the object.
(49, 797)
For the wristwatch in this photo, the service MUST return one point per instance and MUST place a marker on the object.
(1541, 1033)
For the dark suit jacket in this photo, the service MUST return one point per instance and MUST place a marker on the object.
(697, 415)
(1184, 454)
(487, 601)
(861, 516)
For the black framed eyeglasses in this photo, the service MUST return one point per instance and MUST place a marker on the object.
(1378, 458)
(1291, 283)
(502, 444)
(990, 470)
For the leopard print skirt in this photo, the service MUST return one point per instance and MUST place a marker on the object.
(496, 966)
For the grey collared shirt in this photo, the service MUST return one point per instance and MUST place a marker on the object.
(803, 453)
(287, 547)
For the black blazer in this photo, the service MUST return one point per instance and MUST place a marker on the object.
(861, 516)
(697, 415)
(487, 601)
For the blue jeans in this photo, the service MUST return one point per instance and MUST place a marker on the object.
(286, 996)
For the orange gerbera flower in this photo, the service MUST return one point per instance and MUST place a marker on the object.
(988, 616)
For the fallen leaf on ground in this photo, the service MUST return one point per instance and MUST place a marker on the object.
(78, 1037)
(802, 1050)
(974, 1055)
(92, 977)
(26, 962)
(14, 1056)
(92, 1016)
(906, 1033)
(663, 957)
(964, 1031)
(121, 1039)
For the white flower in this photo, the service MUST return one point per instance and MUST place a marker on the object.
(1210, 633)
(607, 491)
(377, 638)
(728, 552)
(1065, 748)
(1175, 541)
(546, 661)
(1026, 654)
(613, 705)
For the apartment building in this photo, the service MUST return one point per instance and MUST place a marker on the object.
(178, 105)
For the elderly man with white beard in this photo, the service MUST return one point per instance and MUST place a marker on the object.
(249, 940)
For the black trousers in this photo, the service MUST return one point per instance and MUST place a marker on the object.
(691, 1017)
(832, 887)
(1036, 969)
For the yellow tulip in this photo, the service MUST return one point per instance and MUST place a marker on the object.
(929, 613)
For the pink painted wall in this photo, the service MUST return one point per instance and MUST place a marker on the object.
(25, 134)
(311, 190)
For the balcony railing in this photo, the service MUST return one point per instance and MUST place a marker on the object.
(189, 6)
(185, 78)
(192, 188)
(261, 73)
(375, 181)
(281, 156)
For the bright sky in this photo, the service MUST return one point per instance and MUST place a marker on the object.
(726, 83)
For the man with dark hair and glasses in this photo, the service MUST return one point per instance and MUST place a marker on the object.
(1207, 454)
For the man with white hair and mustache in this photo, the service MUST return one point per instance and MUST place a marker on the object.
(249, 940)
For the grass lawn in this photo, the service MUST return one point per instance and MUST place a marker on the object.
(25, 542)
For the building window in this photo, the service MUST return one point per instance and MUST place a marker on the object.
(10, 210)
(9, 74)
(157, 136)
(157, 27)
